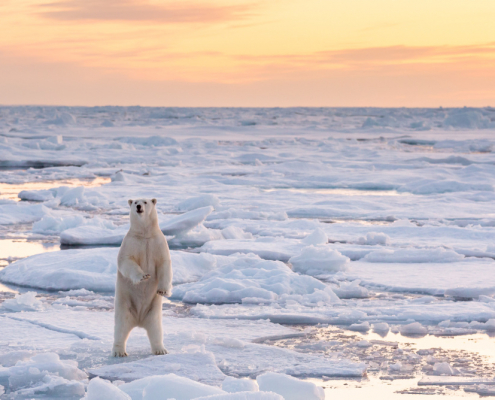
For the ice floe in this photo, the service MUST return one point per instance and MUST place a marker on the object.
(95, 269)
(370, 219)
(290, 388)
(252, 278)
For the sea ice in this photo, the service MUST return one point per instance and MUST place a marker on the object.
(95, 269)
(233, 385)
(432, 278)
(405, 194)
(168, 386)
(243, 396)
(318, 260)
(413, 256)
(97, 233)
(22, 302)
(100, 389)
(198, 202)
(185, 365)
(248, 277)
(290, 388)
(373, 238)
(19, 213)
(351, 290)
(443, 368)
(39, 371)
(414, 328)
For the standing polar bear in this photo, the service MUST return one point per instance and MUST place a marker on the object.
(144, 275)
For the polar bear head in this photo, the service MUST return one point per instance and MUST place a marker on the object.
(143, 211)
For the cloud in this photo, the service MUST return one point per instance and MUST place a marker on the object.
(134, 10)
(373, 57)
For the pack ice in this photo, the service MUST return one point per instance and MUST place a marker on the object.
(370, 219)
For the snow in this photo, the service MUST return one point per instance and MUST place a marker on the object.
(413, 256)
(373, 238)
(89, 334)
(290, 388)
(45, 374)
(361, 327)
(443, 368)
(251, 277)
(169, 386)
(197, 202)
(414, 328)
(349, 290)
(243, 396)
(233, 385)
(185, 365)
(100, 389)
(369, 219)
(269, 248)
(22, 302)
(381, 327)
(96, 233)
(94, 269)
(317, 260)
(428, 277)
(16, 213)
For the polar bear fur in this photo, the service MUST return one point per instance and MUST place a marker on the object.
(144, 275)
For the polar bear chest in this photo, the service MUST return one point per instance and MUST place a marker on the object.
(148, 253)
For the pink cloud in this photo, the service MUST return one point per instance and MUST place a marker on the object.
(134, 10)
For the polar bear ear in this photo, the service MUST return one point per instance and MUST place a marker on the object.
(153, 201)
(129, 201)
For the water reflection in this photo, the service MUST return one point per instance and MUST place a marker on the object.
(373, 388)
(480, 343)
(10, 191)
(14, 249)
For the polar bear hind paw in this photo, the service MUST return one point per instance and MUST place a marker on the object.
(145, 277)
(160, 352)
(119, 353)
(165, 293)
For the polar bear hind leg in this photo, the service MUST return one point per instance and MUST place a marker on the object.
(153, 325)
(124, 323)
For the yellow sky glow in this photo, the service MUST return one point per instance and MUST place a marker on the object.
(248, 53)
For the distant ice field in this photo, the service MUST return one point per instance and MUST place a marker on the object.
(361, 218)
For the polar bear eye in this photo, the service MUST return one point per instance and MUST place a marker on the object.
(145, 203)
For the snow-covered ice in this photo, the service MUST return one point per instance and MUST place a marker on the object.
(96, 269)
(290, 388)
(375, 220)
(233, 385)
(252, 279)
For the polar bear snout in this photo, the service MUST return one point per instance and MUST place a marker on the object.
(139, 210)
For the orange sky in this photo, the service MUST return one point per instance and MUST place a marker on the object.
(248, 53)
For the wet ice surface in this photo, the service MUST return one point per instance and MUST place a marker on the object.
(353, 248)
(15, 249)
(11, 190)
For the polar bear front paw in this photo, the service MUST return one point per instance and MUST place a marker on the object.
(164, 292)
(138, 278)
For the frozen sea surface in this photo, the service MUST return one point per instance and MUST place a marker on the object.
(350, 249)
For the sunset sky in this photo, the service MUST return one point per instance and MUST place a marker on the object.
(390, 53)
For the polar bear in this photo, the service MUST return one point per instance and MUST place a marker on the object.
(144, 275)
